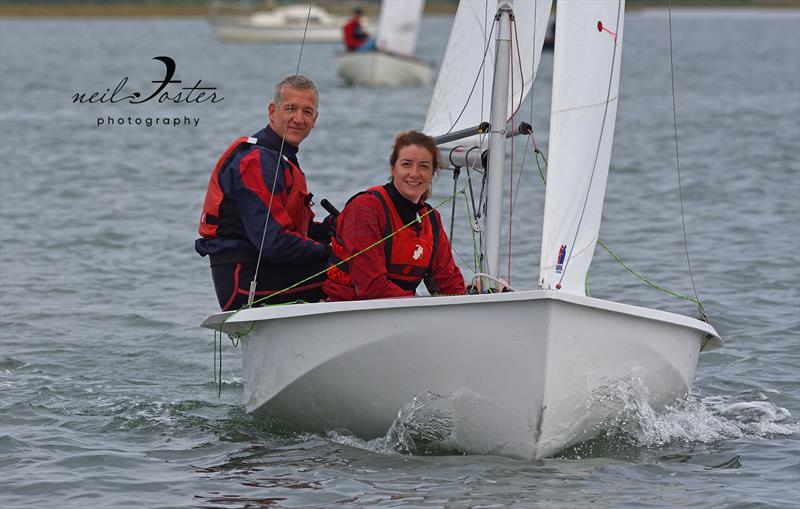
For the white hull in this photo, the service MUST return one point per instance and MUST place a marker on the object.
(518, 370)
(377, 68)
(243, 32)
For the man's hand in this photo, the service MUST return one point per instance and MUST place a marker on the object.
(329, 223)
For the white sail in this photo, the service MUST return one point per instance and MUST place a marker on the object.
(586, 65)
(398, 26)
(464, 88)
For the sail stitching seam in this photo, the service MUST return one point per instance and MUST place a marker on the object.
(587, 106)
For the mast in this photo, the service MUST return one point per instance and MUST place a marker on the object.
(497, 140)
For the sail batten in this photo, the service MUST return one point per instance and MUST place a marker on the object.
(586, 64)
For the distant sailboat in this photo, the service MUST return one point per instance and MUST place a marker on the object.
(521, 373)
(392, 63)
(289, 23)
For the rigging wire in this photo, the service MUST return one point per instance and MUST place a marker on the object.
(512, 194)
(475, 252)
(251, 294)
(481, 73)
(511, 160)
(475, 214)
(527, 139)
(456, 174)
(678, 166)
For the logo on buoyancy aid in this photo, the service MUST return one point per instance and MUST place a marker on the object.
(418, 252)
(560, 263)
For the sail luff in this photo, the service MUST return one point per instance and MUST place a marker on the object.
(585, 87)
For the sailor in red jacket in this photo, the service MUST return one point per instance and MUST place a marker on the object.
(419, 252)
(257, 193)
(355, 38)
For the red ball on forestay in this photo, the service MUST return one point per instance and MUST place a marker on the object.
(599, 26)
(558, 286)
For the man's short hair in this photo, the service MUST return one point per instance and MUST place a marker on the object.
(297, 82)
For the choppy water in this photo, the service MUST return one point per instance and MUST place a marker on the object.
(108, 397)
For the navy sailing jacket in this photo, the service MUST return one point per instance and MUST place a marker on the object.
(239, 195)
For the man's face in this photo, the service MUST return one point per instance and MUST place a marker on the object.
(295, 116)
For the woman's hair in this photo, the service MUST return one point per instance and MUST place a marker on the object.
(407, 138)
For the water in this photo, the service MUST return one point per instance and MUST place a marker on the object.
(108, 397)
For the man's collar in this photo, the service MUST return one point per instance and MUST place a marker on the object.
(274, 141)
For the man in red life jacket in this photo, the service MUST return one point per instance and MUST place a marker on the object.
(257, 201)
(355, 38)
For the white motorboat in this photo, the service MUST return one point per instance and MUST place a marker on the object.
(392, 62)
(282, 24)
(521, 373)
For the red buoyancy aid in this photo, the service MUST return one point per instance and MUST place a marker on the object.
(409, 252)
(297, 203)
(298, 199)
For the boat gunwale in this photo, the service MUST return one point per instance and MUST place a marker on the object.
(383, 53)
(241, 317)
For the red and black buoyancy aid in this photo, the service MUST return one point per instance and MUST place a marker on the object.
(409, 252)
(220, 217)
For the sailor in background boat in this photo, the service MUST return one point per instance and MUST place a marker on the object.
(418, 248)
(355, 38)
(245, 196)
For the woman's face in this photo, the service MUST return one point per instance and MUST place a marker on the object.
(413, 171)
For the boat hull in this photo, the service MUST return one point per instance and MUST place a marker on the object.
(242, 32)
(377, 68)
(522, 374)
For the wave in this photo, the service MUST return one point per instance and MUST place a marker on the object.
(425, 425)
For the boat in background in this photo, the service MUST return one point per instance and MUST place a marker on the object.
(392, 62)
(285, 24)
(521, 373)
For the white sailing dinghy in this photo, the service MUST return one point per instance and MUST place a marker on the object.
(518, 373)
(392, 63)
(289, 23)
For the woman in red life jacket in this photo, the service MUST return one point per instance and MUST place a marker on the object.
(416, 253)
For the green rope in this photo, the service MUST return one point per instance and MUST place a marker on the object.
(617, 258)
(376, 243)
(235, 339)
(644, 279)
(586, 285)
(541, 174)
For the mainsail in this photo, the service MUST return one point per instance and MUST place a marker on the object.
(588, 49)
(398, 26)
(464, 87)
